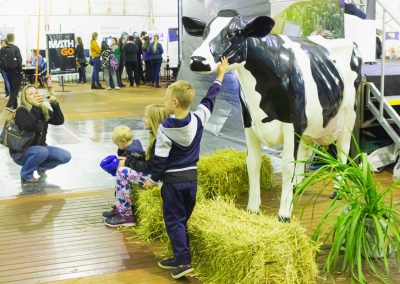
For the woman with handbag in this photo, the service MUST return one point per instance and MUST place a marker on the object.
(81, 60)
(109, 64)
(33, 115)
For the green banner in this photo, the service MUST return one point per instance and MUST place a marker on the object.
(304, 18)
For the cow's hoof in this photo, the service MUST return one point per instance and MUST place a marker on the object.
(253, 209)
(283, 219)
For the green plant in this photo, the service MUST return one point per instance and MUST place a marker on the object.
(313, 15)
(366, 223)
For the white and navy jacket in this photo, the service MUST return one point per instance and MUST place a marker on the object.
(178, 142)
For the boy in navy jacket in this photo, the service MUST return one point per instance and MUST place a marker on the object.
(175, 163)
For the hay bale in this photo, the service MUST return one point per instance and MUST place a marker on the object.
(230, 245)
(150, 217)
(224, 173)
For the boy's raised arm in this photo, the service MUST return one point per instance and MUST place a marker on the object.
(207, 103)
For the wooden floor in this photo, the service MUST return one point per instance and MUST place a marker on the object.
(60, 237)
(46, 238)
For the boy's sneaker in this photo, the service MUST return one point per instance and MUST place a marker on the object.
(29, 181)
(118, 220)
(182, 270)
(168, 263)
(110, 214)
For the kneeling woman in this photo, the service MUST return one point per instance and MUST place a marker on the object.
(33, 115)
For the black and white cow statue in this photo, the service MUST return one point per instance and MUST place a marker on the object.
(294, 91)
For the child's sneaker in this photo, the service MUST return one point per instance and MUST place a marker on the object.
(112, 213)
(119, 220)
(181, 271)
(168, 263)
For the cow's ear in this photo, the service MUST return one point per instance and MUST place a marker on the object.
(259, 27)
(193, 26)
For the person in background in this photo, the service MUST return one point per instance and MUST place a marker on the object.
(155, 51)
(40, 61)
(13, 72)
(81, 60)
(95, 53)
(139, 43)
(121, 45)
(117, 53)
(34, 115)
(146, 59)
(4, 74)
(130, 51)
(106, 53)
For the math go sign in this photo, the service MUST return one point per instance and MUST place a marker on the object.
(61, 51)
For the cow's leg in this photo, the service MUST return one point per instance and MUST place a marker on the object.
(253, 169)
(343, 143)
(288, 168)
(304, 154)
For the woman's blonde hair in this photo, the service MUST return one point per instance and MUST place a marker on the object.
(154, 114)
(121, 133)
(24, 102)
(94, 36)
(156, 38)
(79, 40)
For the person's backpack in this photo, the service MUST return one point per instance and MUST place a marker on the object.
(8, 61)
(114, 64)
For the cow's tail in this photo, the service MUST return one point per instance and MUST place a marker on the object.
(355, 64)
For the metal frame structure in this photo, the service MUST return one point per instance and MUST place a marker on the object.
(375, 101)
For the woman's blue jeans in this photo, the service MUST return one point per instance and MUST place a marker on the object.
(96, 70)
(155, 71)
(41, 159)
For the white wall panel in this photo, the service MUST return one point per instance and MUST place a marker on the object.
(99, 7)
(17, 22)
(165, 8)
(137, 7)
(18, 7)
(57, 7)
(116, 7)
(78, 7)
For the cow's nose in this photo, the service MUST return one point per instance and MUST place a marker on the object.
(198, 63)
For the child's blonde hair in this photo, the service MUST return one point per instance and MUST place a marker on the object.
(184, 92)
(122, 133)
(155, 114)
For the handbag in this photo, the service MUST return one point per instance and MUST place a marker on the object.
(91, 61)
(82, 62)
(15, 138)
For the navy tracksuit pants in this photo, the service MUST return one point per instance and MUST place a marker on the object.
(179, 200)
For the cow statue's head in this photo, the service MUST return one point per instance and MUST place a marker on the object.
(225, 35)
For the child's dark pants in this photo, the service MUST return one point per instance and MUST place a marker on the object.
(179, 200)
